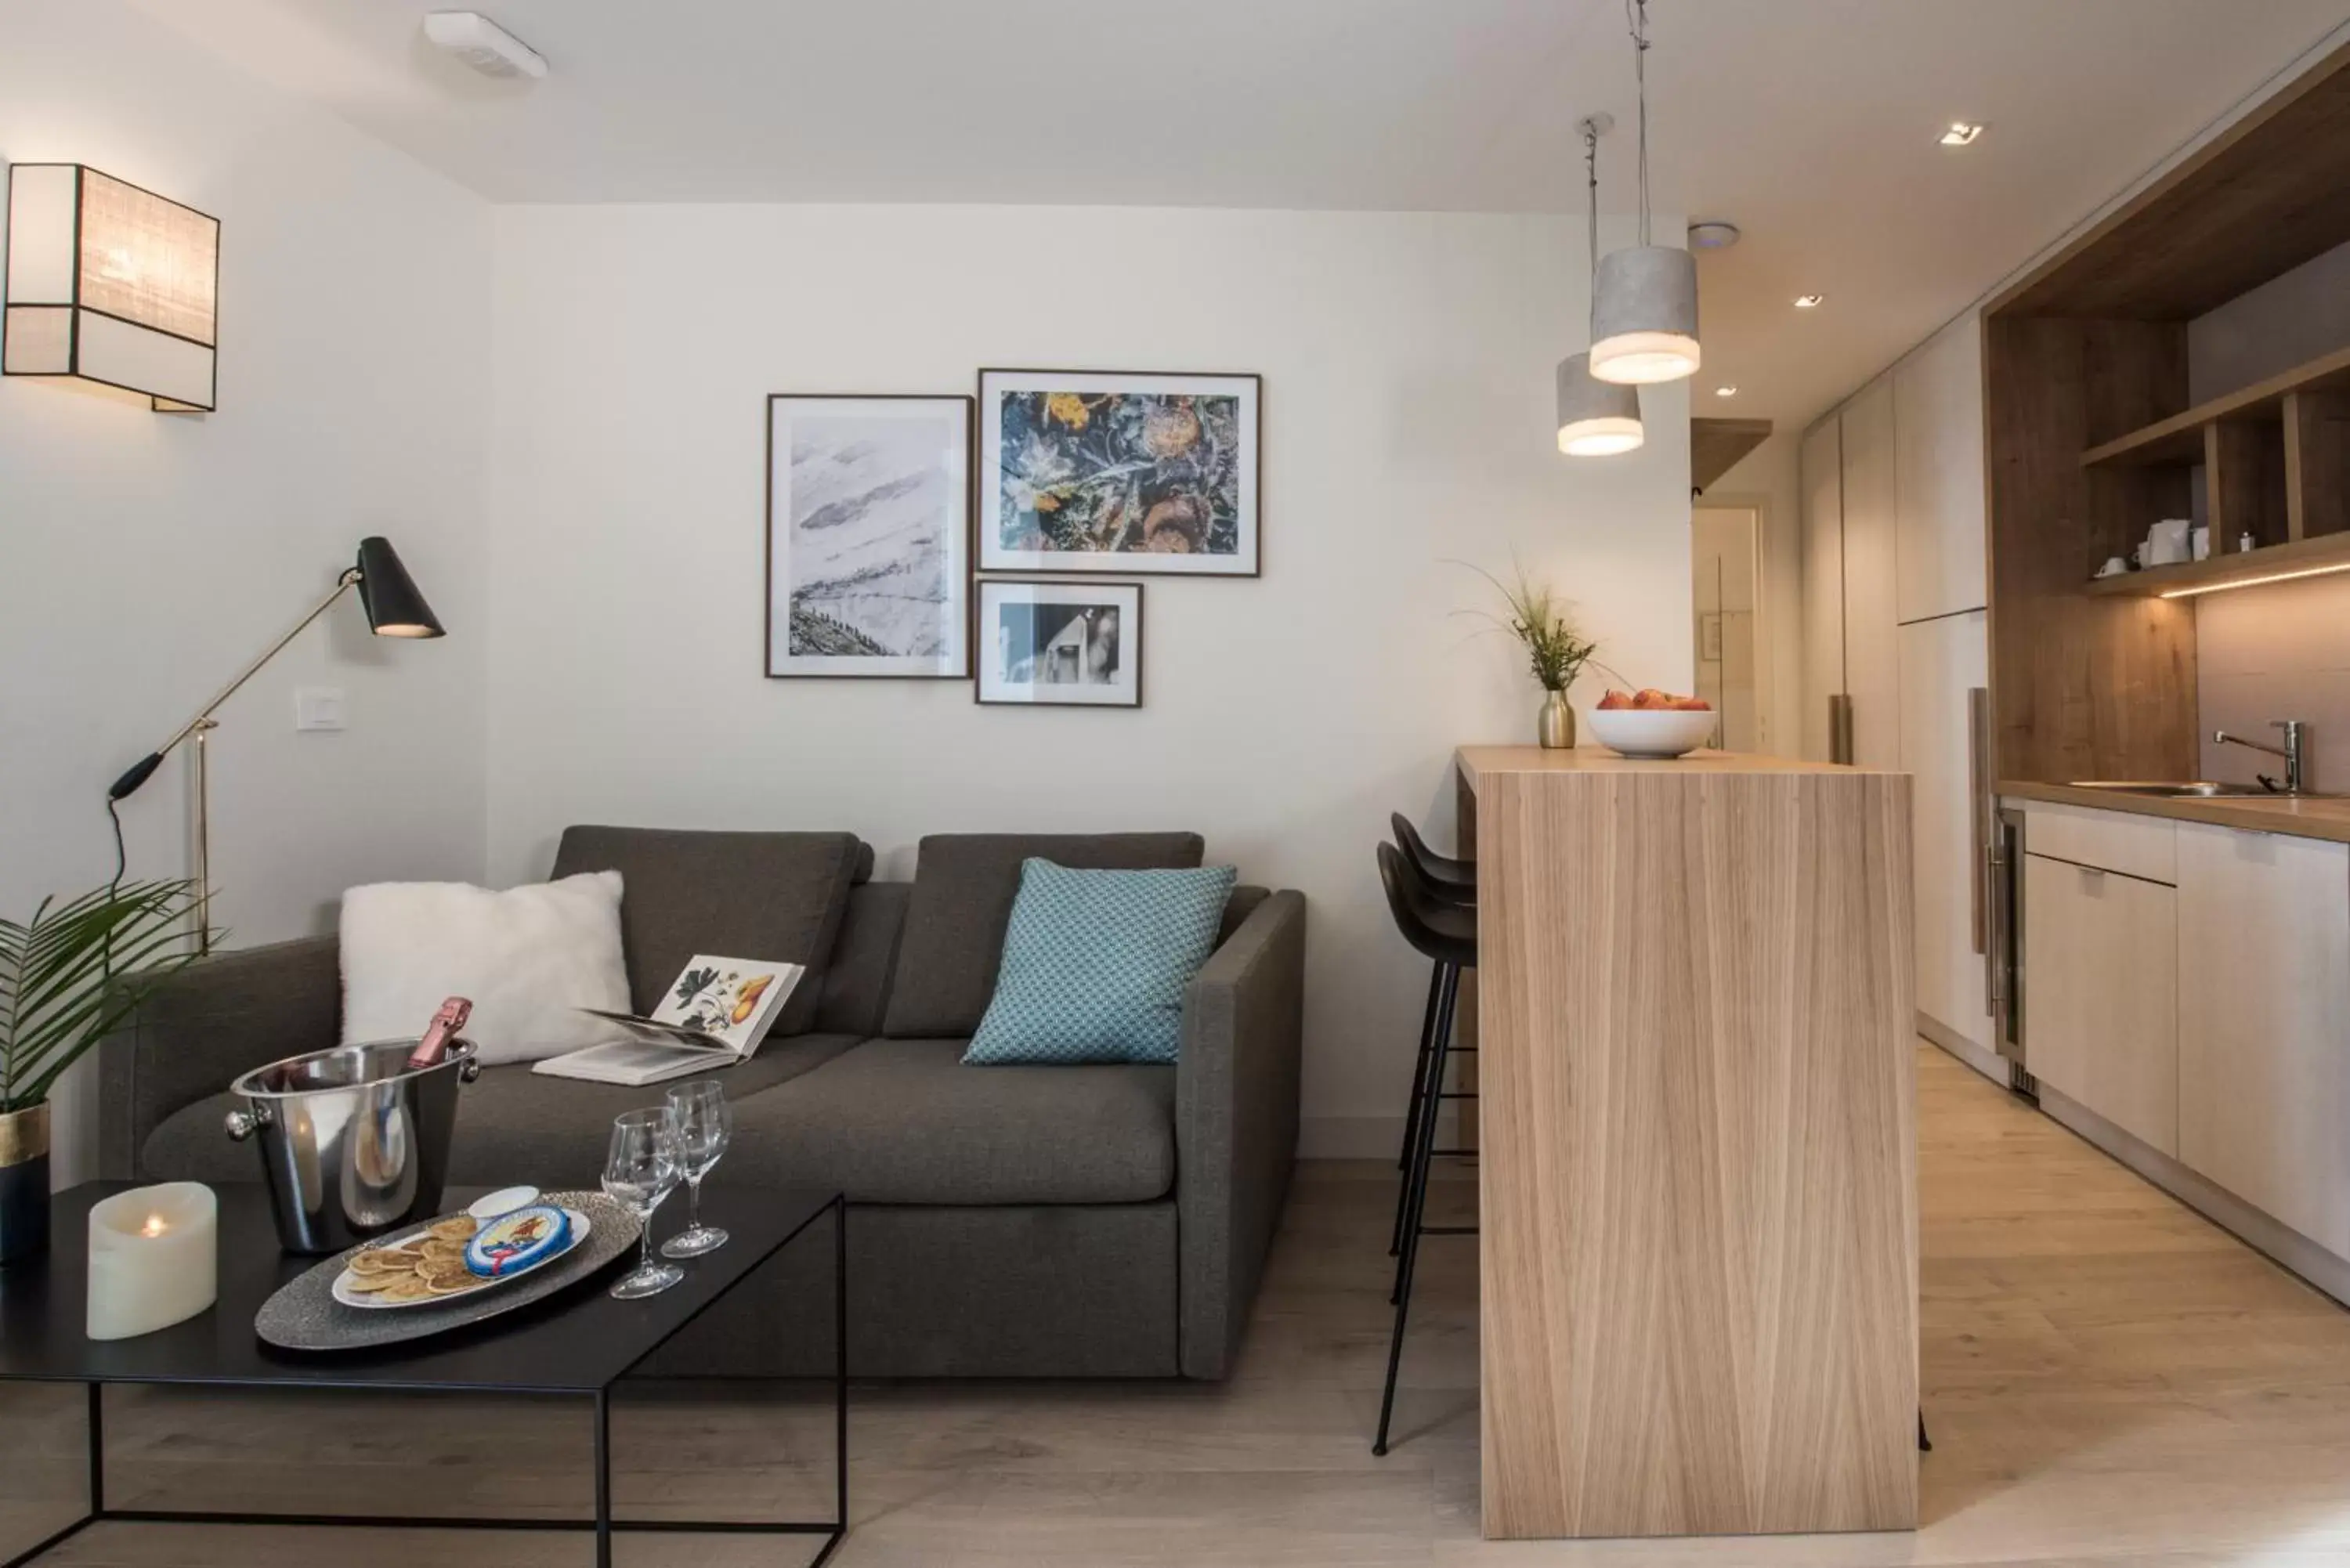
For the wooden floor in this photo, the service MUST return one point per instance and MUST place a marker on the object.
(2110, 1380)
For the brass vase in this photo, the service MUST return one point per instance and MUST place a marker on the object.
(1555, 725)
(24, 1182)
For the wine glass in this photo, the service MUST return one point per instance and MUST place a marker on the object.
(639, 1170)
(705, 1123)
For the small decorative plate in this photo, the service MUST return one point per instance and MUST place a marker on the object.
(408, 1274)
(304, 1316)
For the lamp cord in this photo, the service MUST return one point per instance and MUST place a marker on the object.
(1636, 12)
(1591, 168)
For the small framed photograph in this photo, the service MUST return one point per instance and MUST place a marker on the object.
(869, 536)
(1064, 644)
(1119, 471)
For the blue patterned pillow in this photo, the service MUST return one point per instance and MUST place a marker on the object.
(1096, 963)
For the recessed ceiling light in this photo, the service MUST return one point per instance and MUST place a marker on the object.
(1961, 133)
(1725, 391)
(1809, 301)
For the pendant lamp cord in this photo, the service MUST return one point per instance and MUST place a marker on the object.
(1591, 170)
(1636, 12)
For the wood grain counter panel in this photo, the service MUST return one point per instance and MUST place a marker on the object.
(2302, 816)
(1699, 1176)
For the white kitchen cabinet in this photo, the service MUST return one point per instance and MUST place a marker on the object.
(1941, 662)
(1937, 401)
(2264, 1023)
(2100, 1009)
(1823, 484)
(1871, 654)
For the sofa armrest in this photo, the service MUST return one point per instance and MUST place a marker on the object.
(1236, 1081)
(192, 1034)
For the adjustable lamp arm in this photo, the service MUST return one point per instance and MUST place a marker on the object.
(144, 768)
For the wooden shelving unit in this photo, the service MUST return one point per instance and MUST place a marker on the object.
(2092, 437)
(2181, 437)
(2275, 458)
(2299, 557)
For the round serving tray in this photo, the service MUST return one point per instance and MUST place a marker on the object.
(304, 1316)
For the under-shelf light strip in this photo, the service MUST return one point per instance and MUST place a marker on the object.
(2256, 582)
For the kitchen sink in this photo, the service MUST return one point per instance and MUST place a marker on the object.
(2201, 789)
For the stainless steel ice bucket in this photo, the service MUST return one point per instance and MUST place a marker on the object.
(351, 1141)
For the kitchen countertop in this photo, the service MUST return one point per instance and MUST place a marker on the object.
(2299, 818)
(1479, 763)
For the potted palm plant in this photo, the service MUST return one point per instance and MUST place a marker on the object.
(68, 978)
(1537, 617)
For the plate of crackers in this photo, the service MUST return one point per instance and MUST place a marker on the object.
(430, 1265)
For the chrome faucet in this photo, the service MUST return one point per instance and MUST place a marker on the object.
(2295, 780)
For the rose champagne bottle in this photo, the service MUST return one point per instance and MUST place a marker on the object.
(437, 1037)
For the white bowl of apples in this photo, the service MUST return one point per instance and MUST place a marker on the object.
(1652, 723)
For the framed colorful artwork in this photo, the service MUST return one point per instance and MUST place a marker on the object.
(1114, 471)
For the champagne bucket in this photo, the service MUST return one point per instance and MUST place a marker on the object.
(352, 1141)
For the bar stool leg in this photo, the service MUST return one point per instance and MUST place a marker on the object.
(1420, 1091)
(1422, 1157)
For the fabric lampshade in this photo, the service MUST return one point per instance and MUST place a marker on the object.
(111, 284)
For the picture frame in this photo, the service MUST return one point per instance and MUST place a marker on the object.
(868, 535)
(1062, 642)
(1120, 472)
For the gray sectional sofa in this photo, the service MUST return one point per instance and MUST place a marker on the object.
(1096, 1221)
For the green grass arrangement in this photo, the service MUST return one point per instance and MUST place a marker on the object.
(60, 974)
(1537, 617)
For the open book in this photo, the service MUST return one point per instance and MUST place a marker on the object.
(714, 1016)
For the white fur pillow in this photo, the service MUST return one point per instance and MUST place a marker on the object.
(529, 958)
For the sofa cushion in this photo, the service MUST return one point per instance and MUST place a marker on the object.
(776, 896)
(965, 885)
(903, 1121)
(513, 1125)
(529, 959)
(855, 986)
(1095, 963)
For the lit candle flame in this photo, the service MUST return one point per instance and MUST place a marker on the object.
(156, 1225)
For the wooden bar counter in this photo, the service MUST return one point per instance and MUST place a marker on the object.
(1699, 1167)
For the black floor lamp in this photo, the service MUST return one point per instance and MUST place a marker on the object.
(394, 609)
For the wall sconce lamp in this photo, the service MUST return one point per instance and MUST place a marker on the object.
(111, 284)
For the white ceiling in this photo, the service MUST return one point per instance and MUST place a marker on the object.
(1809, 122)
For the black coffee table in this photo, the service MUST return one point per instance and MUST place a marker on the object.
(577, 1342)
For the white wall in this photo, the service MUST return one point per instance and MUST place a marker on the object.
(1408, 366)
(144, 557)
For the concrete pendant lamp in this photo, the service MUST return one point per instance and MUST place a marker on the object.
(1644, 299)
(1595, 418)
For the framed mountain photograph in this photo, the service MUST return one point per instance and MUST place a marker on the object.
(1060, 644)
(868, 535)
(1110, 470)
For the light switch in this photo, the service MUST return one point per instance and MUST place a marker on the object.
(318, 708)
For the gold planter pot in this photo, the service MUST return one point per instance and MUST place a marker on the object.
(1554, 724)
(24, 1182)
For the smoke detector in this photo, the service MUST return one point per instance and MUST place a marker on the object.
(1712, 235)
(482, 44)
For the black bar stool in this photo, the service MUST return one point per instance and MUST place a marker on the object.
(1446, 933)
(1457, 878)
(1444, 887)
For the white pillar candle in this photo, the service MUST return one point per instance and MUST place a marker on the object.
(154, 1258)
